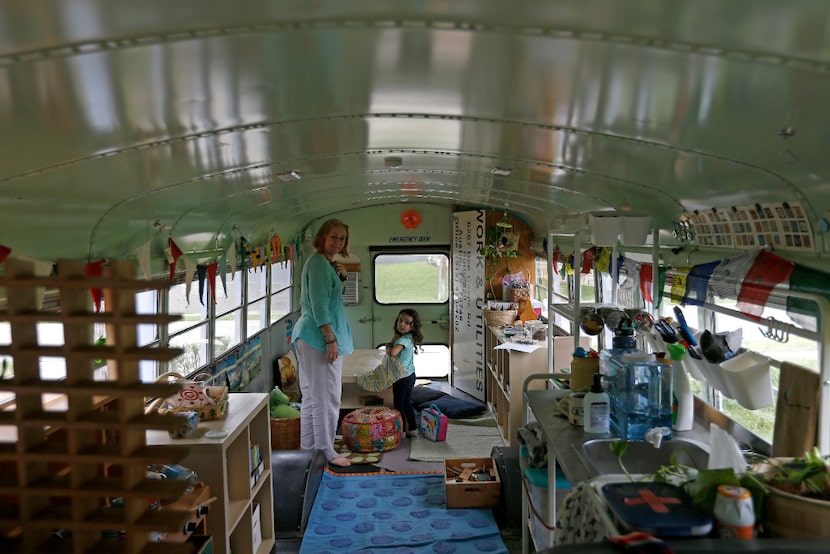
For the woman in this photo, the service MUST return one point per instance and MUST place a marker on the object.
(320, 338)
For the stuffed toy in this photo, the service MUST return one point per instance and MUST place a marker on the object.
(280, 406)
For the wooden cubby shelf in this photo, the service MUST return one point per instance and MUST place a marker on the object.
(70, 447)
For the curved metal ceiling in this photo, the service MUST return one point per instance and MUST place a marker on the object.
(119, 118)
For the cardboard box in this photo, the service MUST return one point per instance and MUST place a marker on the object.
(464, 491)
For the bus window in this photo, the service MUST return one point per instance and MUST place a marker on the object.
(411, 278)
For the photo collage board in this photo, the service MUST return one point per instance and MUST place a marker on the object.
(782, 226)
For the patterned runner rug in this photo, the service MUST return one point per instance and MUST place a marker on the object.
(395, 512)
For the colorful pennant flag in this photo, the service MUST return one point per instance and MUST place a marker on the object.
(766, 272)
(730, 273)
(587, 261)
(95, 269)
(142, 253)
(4, 253)
(697, 283)
(173, 254)
(211, 275)
(202, 271)
(646, 282)
(189, 272)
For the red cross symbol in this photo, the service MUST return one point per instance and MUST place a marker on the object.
(656, 503)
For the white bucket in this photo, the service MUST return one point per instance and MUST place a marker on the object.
(635, 230)
(604, 229)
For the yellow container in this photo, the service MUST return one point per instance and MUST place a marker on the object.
(582, 373)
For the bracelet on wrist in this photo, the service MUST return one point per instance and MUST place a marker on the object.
(332, 341)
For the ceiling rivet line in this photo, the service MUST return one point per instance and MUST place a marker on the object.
(86, 47)
(242, 128)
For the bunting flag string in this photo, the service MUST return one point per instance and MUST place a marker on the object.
(143, 255)
(202, 271)
(602, 260)
(4, 253)
(646, 282)
(629, 281)
(223, 273)
(662, 275)
(173, 254)
(189, 271)
(727, 277)
(587, 261)
(697, 283)
(276, 248)
(231, 253)
(767, 271)
(95, 269)
(678, 285)
(211, 275)
(801, 310)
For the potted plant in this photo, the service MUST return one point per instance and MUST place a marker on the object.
(498, 245)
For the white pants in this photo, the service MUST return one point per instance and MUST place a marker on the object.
(320, 385)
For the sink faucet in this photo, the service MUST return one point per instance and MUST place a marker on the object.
(654, 436)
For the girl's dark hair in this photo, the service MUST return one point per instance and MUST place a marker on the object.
(415, 330)
(324, 230)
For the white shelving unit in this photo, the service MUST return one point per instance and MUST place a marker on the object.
(224, 463)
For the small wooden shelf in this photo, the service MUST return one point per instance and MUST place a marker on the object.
(506, 371)
(221, 463)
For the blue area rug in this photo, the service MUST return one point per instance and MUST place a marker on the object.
(395, 513)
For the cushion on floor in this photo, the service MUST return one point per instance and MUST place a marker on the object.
(425, 395)
(372, 429)
(456, 408)
(452, 407)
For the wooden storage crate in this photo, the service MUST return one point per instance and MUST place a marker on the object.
(469, 493)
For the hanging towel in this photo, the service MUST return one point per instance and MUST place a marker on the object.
(577, 521)
(381, 378)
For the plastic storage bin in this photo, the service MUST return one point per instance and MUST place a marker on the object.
(748, 380)
(640, 394)
(536, 481)
(605, 229)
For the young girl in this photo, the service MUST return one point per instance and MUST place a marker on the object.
(404, 344)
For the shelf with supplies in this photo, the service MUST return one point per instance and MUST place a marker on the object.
(506, 370)
(242, 518)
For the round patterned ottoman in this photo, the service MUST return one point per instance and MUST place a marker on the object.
(372, 429)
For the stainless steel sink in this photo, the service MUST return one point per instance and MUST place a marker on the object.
(642, 457)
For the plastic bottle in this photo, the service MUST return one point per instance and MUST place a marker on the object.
(682, 390)
(734, 512)
(597, 408)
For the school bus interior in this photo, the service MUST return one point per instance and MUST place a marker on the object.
(224, 133)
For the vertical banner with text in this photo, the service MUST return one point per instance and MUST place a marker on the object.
(468, 302)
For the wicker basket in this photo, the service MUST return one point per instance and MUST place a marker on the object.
(790, 516)
(494, 318)
(218, 396)
(285, 433)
